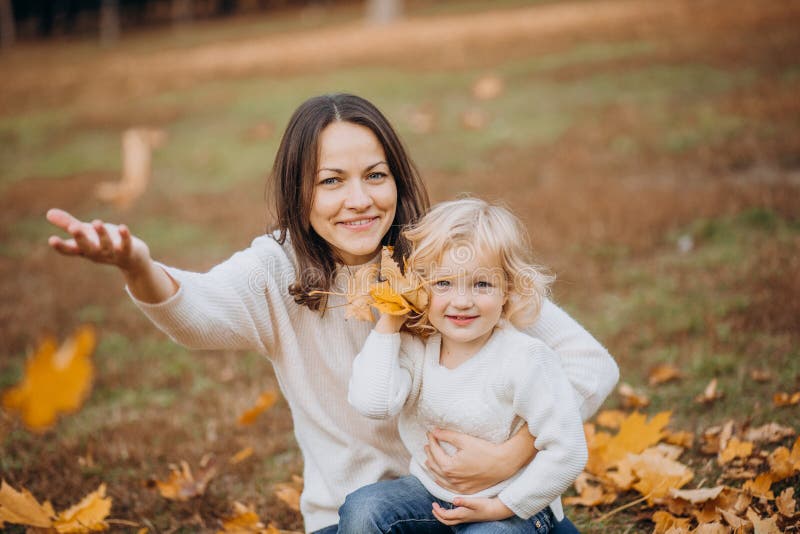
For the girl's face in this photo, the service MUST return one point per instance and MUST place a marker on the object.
(467, 298)
(355, 196)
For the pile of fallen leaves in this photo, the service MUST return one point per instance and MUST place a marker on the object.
(644, 457)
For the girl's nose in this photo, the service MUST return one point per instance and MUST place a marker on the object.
(358, 197)
(462, 298)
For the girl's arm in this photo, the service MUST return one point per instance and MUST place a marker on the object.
(379, 385)
(589, 367)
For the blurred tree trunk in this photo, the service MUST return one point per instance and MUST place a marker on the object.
(7, 33)
(109, 22)
(181, 12)
(384, 11)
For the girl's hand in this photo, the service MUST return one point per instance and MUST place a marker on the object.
(390, 324)
(477, 464)
(99, 242)
(471, 510)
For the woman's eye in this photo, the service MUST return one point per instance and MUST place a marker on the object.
(376, 176)
(328, 181)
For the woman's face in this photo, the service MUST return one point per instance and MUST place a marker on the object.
(355, 196)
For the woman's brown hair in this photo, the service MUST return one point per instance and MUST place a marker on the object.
(291, 184)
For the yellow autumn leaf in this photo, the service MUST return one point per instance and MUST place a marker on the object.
(760, 487)
(682, 438)
(289, 492)
(712, 528)
(358, 298)
(786, 503)
(697, 496)
(763, 526)
(589, 494)
(786, 399)
(409, 287)
(87, 516)
(611, 418)
(264, 402)
(634, 436)
(735, 449)
(662, 373)
(182, 485)
(57, 380)
(241, 456)
(658, 475)
(244, 521)
(665, 521)
(22, 508)
(386, 300)
(632, 398)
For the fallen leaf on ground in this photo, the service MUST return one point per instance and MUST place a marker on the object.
(760, 487)
(710, 394)
(611, 418)
(241, 456)
(769, 433)
(760, 375)
(245, 520)
(57, 380)
(735, 521)
(763, 526)
(664, 521)
(289, 492)
(658, 475)
(89, 515)
(662, 373)
(264, 402)
(696, 496)
(182, 485)
(735, 449)
(712, 528)
(786, 399)
(682, 438)
(634, 436)
(589, 494)
(632, 398)
(786, 503)
(22, 508)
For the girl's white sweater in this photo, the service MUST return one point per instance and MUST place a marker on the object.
(514, 378)
(244, 303)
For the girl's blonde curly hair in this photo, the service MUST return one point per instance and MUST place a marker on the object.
(473, 228)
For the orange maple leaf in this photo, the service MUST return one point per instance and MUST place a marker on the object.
(634, 436)
(658, 474)
(264, 402)
(589, 494)
(735, 449)
(22, 508)
(760, 487)
(57, 380)
(662, 373)
(398, 294)
(245, 520)
(665, 521)
(182, 485)
(786, 399)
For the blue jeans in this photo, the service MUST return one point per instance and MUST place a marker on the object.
(403, 506)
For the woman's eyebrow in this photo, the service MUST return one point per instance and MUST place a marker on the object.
(341, 171)
(375, 165)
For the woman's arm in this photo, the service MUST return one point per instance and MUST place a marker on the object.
(113, 245)
(379, 385)
(589, 367)
(477, 464)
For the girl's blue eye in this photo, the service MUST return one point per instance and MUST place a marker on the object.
(442, 283)
(483, 284)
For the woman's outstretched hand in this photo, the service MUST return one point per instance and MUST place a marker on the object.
(477, 464)
(114, 245)
(99, 242)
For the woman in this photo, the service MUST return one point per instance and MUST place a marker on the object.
(342, 186)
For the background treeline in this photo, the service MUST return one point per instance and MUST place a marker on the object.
(38, 19)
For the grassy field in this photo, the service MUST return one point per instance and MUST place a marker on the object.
(656, 161)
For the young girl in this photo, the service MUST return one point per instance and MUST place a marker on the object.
(472, 371)
(341, 186)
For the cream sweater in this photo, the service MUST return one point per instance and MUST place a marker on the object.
(244, 303)
(512, 379)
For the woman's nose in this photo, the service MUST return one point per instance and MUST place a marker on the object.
(358, 198)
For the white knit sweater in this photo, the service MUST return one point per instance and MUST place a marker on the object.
(513, 378)
(244, 303)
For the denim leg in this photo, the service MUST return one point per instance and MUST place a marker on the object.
(333, 529)
(565, 526)
(401, 506)
(541, 523)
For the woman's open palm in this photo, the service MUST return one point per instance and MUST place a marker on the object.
(99, 242)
